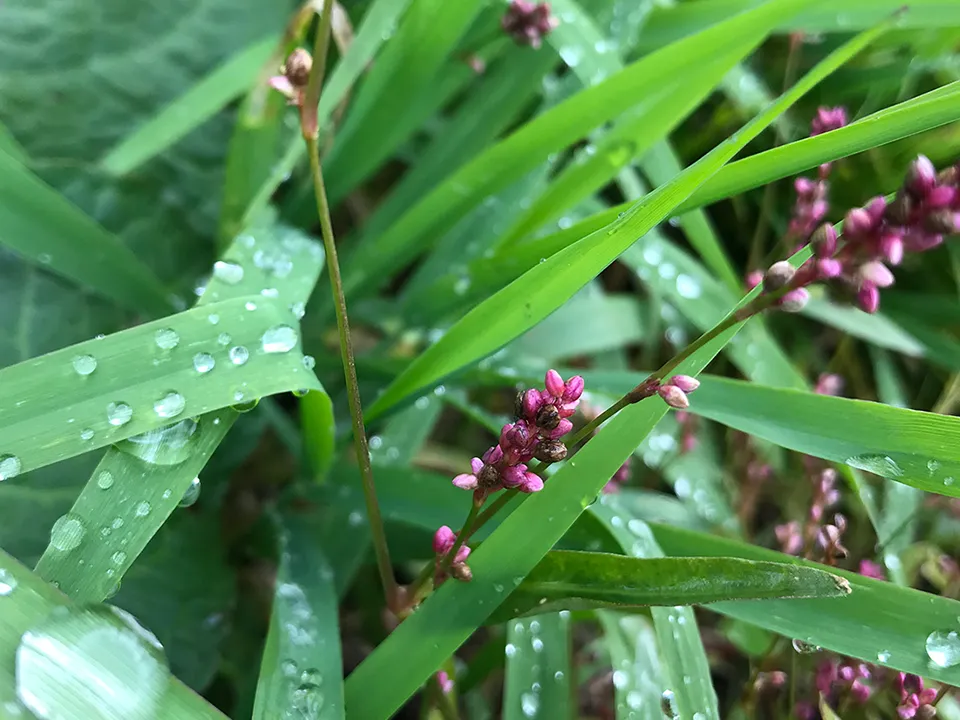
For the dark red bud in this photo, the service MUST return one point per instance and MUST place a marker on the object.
(297, 68)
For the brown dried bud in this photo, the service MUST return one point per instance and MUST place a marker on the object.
(777, 276)
(461, 572)
(488, 477)
(898, 211)
(941, 222)
(297, 68)
(949, 176)
(518, 404)
(550, 451)
(548, 417)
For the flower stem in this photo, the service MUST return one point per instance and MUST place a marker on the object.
(462, 536)
(308, 115)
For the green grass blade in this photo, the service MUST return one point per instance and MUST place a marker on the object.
(40, 224)
(10, 146)
(637, 677)
(549, 132)
(877, 329)
(545, 287)
(685, 662)
(51, 412)
(197, 105)
(29, 602)
(538, 675)
(898, 628)
(301, 671)
(570, 580)
(111, 526)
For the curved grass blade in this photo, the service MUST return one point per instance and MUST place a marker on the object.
(538, 674)
(636, 665)
(197, 105)
(897, 628)
(371, 265)
(136, 487)
(28, 602)
(43, 226)
(301, 673)
(548, 285)
(572, 580)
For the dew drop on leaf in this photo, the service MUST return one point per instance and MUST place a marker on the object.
(213, 318)
(250, 305)
(299, 310)
(279, 339)
(119, 557)
(119, 413)
(105, 480)
(91, 662)
(143, 509)
(170, 405)
(8, 583)
(191, 494)
(307, 701)
(203, 362)
(10, 467)
(529, 704)
(67, 532)
(166, 338)
(224, 339)
(943, 648)
(86, 434)
(309, 362)
(83, 365)
(168, 445)
(239, 355)
(229, 272)
(311, 676)
(805, 648)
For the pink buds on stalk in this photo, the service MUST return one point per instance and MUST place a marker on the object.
(527, 22)
(674, 391)
(443, 541)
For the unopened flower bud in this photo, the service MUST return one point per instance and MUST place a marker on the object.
(891, 245)
(829, 267)
(684, 382)
(877, 273)
(898, 211)
(573, 389)
(795, 300)
(674, 397)
(824, 241)
(551, 451)
(554, 383)
(461, 572)
(297, 68)
(548, 417)
(778, 275)
(868, 298)
(921, 177)
(857, 222)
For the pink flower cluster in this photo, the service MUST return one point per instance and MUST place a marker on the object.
(916, 701)
(811, 206)
(443, 542)
(675, 390)
(527, 22)
(542, 419)
(848, 677)
(796, 539)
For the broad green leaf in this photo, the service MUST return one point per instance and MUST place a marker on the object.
(569, 580)
(399, 80)
(879, 622)
(538, 681)
(198, 104)
(107, 528)
(690, 691)
(132, 383)
(26, 605)
(545, 287)
(40, 224)
(10, 146)
(636, 665)
(508, 160)
(301, 672)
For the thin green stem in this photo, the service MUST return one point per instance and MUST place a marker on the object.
(462, 536)
(308, 115)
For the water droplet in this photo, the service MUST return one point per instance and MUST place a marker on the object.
(8, 583)
(166, 338)
(877, 464)
(203, 362)
(119, 557)
(355, 518)
(119, 413)
(191, 494)
(510, 650)
(805, 648)
(307, 701)
(86, 434)
(10, 467)
(105, 480)
(668, 704)
(529, 704)
(288, 668)
(91, 662)
(537, 645)
(558, 675)
(67, 532)
(298, 309)
(250, 305)
(213, 318)
(311, 676)
(634, 700)
(270, 292)
(883, 656)
(143, 509)
(620, 679)
(170, 405)
(241, 406)
(239, 355)
(943, 648)
(117, 523)
(948, 481)
(309, 362)
(224, 339)
(687, 287)
(168, 445)
(83, 365)
(229, 272)
(279, 339)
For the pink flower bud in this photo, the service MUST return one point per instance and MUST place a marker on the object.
(445, 682)
(941, 196)
(573, 389)
(795, 300)
(466, 481)
(531, 403)
(560, 430)
(674, 396)
(876, 273)
(876, 208)
(804, 186)
(921, 177)
(778, 275)
(891, 246)
(531, 483)
(443, 540)
(493, 456)
(684, 382)
(554, 383)
(476, 464)
(282, 85)
(857, 222)
(829, 268)
(824, 241)
(462, 554)
(514, 476)
(754, 278)
(829, 384)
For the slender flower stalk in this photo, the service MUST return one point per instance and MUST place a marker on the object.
(301, 81)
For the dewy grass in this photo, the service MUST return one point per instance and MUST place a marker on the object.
(196, 553)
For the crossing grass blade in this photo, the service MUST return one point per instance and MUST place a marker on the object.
(46, 228)
(371, 265)
(30, 601)
(633, 653)
(139, 483)
(538, 679)
(571, 580)
(549, 284)
(197, 105)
